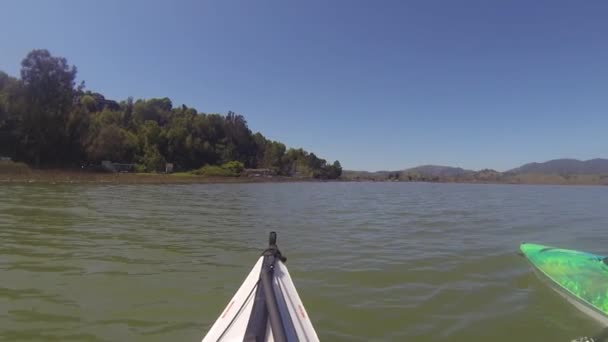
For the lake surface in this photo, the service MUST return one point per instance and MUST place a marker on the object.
(372, 261)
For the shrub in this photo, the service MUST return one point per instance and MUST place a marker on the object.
(236, 167)
(153, 160)
(230, 169)
(7, 166)
(139, 168)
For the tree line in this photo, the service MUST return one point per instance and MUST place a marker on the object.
(47, 120)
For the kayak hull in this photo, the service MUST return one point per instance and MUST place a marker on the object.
(580, 277)
(232, 323)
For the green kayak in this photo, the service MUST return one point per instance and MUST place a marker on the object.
(580, 277)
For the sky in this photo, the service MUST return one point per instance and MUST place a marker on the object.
(378, 85)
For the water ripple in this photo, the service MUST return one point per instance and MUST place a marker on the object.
(372, 261)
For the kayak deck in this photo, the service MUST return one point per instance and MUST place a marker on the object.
(236, 321)
(580, 277)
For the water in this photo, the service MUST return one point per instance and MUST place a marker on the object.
(372, 261)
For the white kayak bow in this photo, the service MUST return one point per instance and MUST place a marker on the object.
(266, 307)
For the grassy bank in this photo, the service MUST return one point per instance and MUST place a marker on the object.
(11, 172)
(73, 177)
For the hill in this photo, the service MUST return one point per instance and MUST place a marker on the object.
(558, 171)
(438, 171)
(564, 167)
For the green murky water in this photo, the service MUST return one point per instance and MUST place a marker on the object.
(372, 261)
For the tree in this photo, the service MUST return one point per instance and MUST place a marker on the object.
(152, 159)
(11, 101)
(6, 137)
(153, 109)
(296, 163)
(4, 80)
(335, 170)
(127, 112)
(45, 119)
(49, 87)
(112, 143)
(89, 103)
(149, 137)
(238, 142)
(259, 142)
(273, 155)
(77, 126)
(149, 133)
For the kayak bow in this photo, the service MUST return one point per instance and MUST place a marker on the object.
(266, 307)
(580, 277)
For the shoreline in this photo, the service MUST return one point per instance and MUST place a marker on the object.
(58, 176)
(79, 177)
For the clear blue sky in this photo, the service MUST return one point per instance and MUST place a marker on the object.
(375, 84)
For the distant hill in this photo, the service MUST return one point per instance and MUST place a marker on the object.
(366, 175)
(558, 171)
(564, 167)
(419, 173)
(438, 171)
